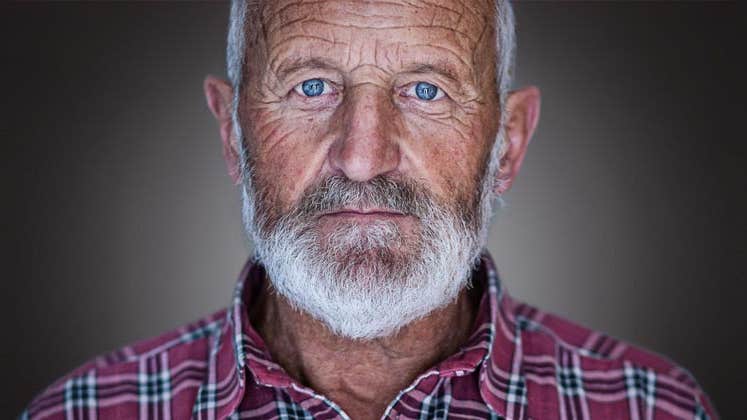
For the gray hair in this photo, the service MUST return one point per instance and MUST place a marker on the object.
(505, 45)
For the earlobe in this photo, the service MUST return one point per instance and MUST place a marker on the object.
(219, 96)
(523, 108)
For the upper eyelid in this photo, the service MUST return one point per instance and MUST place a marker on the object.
(300, 74)
(443, 83)
(434, 76)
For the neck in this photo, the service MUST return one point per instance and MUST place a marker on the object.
(362, 376)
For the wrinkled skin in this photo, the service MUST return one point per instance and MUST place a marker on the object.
(369, 123)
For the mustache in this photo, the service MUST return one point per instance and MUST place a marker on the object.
(337, 192)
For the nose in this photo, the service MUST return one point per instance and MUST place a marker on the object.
(366, 146)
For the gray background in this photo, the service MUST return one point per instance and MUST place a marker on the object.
(120, 222)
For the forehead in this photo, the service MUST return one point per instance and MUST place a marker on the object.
(382, 33)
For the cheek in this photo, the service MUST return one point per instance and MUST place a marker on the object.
(451, 154)
(287, 153)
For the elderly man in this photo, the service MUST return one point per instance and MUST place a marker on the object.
(370, 140)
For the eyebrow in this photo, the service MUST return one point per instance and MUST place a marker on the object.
(290, 66)
(441, 68)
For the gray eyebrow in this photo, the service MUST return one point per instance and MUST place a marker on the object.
(289, 66)
(438, 68)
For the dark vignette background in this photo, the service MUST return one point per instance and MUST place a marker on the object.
(121, 223)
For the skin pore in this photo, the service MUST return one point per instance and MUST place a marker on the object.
(369, 122)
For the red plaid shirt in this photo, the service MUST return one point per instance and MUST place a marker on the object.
(519, 363)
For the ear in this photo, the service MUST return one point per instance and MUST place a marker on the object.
(523, 108)
(219, 95)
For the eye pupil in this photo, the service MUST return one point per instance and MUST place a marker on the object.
(425, 91)
(312, 87)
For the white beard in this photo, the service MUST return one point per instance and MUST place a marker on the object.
(368, 281)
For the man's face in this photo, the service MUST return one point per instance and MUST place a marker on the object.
(368, 128)
(372, 67)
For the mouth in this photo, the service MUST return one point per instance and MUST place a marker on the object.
(364, 214)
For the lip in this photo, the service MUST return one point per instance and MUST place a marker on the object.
(364, 213)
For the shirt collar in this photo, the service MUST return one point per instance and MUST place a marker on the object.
(494, 348)
(502, 385)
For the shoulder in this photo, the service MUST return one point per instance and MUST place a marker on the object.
(170, 366)
(602, 369)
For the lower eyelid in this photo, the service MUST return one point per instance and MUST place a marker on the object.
(324, 100)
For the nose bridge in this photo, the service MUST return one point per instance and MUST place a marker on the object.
(366, 147)
(366, 106)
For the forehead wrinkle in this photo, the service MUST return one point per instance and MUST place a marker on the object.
(278, 55)
(281, 20)
(462, 20)
(462, 46)
(296, 3)
(451, 52)
(359, 15)
(407, 26)
(278, 15)
(371, 73)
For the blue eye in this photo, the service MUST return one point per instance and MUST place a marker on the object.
(426, 91)
(312, 87)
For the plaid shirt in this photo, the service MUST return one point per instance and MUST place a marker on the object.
(519, 363)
